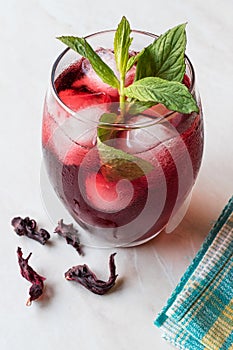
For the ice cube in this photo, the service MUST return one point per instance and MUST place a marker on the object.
(77, 101)
(107, 196)
(141, 139)
(91, 81)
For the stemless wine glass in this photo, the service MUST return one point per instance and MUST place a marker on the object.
(138, 184)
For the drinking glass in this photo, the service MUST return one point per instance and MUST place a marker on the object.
(126, 207)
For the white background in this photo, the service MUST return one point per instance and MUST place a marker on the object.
(69, 316)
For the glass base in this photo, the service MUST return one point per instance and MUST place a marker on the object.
(178, 215)
(56, 211)
(143, 241)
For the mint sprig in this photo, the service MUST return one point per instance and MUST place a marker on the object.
(160, 69)
(164, 58)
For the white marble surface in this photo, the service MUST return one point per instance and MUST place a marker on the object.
(69, 316)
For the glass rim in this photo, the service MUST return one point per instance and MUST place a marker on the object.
(130, 126)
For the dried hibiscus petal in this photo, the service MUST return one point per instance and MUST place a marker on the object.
(32, 276)
(28, 227)
(83, 275)
(70, 234)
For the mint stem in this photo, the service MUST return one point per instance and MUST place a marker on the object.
(122, 97)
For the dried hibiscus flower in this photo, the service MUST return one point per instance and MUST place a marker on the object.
(70, 234)
(28, 227)
(32, 276)
(83, 275)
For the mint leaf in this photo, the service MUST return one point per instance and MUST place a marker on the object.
(173, 95)
(137, 107)
(164, 58)
(107, 132)
(122, 43)
(133, 60)
(117, 164)
(81, 46)
(75, 43)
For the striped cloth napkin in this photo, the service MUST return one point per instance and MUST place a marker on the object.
(199, 313)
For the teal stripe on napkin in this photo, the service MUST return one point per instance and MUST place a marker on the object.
(199, 313)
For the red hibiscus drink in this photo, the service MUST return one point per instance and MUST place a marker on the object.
(122, 182)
